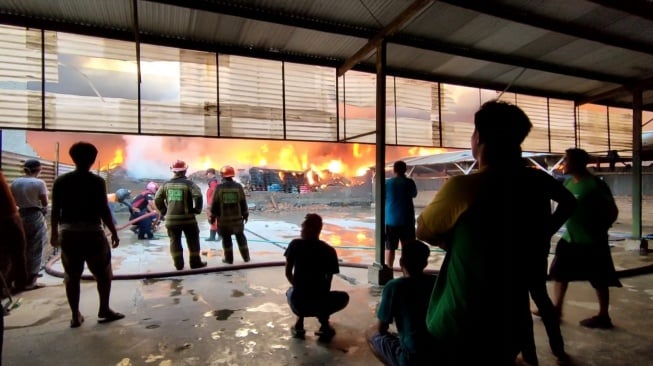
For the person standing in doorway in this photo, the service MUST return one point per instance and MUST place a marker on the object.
(31, 196)
(213, 184)
(399, 211)
(79, 208)
(230, 213)
(180, 200)
(583, 252)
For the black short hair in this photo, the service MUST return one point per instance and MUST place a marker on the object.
(83, 154)
(414, 256)
(501, 123)
(400, 167)
(312, 225)
(210, 170)
(577, 158)
(31, 166)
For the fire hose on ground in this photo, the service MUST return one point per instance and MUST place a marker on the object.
(631, 272)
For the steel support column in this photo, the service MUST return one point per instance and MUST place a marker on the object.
(637, 164)
(378, 273)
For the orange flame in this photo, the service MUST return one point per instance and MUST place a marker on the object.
(117, 160)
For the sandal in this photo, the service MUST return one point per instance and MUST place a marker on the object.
(77, 322)
(109, 317)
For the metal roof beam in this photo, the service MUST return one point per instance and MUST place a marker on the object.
(394, 26)
(523, 16)
(274, 16)
(623, 90)
(506, 59)
(642, 9)
(277, 17)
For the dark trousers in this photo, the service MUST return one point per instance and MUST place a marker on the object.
(144, 226)
(321, 308)
(226, 231)
(192, 234)
(548, 313)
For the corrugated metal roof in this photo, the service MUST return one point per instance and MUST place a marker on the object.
(579, 49)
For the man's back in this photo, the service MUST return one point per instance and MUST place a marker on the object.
(314, 262)
(81, 196)
(481, 295)
(399, 209)
(26, 191)
(405, 300)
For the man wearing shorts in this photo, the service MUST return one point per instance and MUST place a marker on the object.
(583, 252)
(77, 228)
(399, 211)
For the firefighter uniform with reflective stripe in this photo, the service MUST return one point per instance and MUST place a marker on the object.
(180, 200)
(229, 208)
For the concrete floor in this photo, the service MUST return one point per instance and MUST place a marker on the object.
(240, 317)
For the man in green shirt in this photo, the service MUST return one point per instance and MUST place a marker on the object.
(493, 225)
(583, 253)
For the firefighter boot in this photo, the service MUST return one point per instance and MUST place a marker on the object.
(244, 252)
(178, 260)
(228, 256)
(212, 234)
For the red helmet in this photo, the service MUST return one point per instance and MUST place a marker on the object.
(179, 166)
(152, 187)
(227, 171)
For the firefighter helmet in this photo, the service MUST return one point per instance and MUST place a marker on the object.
(152, 187)
(179, 166)
(227, 171)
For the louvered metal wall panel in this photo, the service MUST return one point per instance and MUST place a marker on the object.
(92, 86)
(76, 113)
(359, 108)
(436, 137)
(458, 107)
(621, 130)
(188, 103)
(413, 111)
(561, 118)
(593, 128)
(537, 111)
(20, 65)
(251, 103)
(310, 94)
(20, 108)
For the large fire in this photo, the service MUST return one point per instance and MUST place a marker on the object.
(149, 157)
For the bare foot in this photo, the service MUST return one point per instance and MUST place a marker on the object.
(77, 321)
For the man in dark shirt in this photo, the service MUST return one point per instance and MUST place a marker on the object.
(310, 266)
(77, 228)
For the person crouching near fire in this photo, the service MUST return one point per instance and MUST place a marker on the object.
(310, 266)
(229, 211)
(179, 199)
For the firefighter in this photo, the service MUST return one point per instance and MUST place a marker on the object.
(143, 204)
(229, 211)
(179, 199)
(213, 183)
